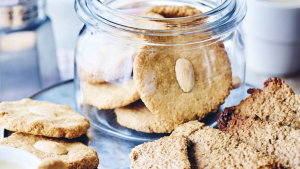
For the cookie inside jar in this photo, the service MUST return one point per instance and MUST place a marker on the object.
(169, 79)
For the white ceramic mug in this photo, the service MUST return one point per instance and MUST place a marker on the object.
(272, 36)
(17, 158)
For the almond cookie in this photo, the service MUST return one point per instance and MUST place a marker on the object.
(110, 96)
(152, 15)
(74, 154)
(181, 83)
(174, 11)
(42, 118)
(138, 117)
(52, 163)
(105, 64)
(167, 152)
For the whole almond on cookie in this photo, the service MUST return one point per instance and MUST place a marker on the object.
(51, 147)
(185, 74)
(162, 85)
(171, 87)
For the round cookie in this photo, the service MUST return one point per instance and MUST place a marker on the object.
(110, 96)
(74, 154)
(157, 80)
(42, 118)
(152, 15)
(174, 11)
(52, 163)
(138, 117)
(89, 77)
(104, 63)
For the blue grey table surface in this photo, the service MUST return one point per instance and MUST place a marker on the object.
(112, 151)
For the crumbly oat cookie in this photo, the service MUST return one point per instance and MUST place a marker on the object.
(156, 80)
(52, 163)
(187, 129)
(269, 138)
(78, 155)
(167, 152)
(211, 148)
(138, 117)
(42, 118)
(174, 11)
(277, 102)
(104, 63)
(110, 96)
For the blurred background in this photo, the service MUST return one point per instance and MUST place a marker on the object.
(36, 51)
(37, 43)
(66, 27)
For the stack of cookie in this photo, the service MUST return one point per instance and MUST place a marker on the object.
(45, 130)
(261, 132)
(170, 84)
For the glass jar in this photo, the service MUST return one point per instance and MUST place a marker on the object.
(27, 51)
(144, 67)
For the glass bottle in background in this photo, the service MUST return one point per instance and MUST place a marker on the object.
(65, 33)
(27, 51)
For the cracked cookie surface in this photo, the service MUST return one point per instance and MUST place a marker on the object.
(42, 118)
(167, 152)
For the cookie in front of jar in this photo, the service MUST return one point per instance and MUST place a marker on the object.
(110, 95)
(183, 83)
(42, 118)
(167, 152)
(74, 154)
(137, 116)
(52, 163)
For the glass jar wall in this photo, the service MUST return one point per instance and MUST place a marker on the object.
(144, 67)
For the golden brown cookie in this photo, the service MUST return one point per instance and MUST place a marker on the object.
(276, 102)
(138, 117)
(104, 63)
(150, 22)
(110, 96)
(89, 77)
(52, 163)
(42, 118)
(152, 15)
(167, 152)
(267, 137)
(174, 11)
(166, 84)
(76, 155)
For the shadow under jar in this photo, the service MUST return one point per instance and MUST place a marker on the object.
(144, 67)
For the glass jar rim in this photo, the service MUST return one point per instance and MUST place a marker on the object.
(216, 23)
(93, 12)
